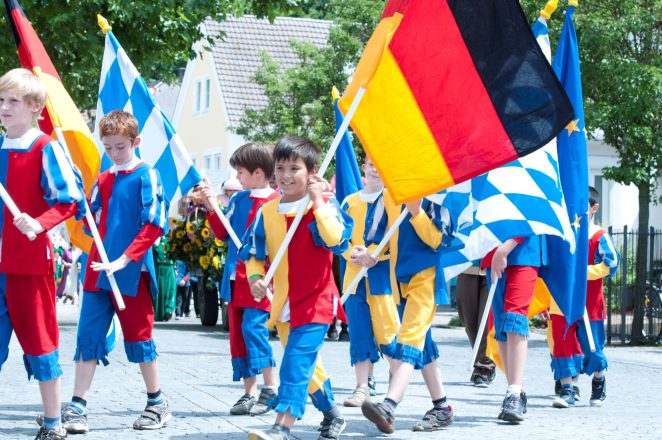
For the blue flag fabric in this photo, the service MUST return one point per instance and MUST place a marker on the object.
(122, 88)
(566, 273)
(348, 175)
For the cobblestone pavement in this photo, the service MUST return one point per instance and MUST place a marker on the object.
(196, 375)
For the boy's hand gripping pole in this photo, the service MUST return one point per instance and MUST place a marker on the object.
(13, 208)
(303, 204)
(349, 290)
(483, 322)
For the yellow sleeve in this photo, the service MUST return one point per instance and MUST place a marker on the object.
(254, 267)
(330, 229)
(597, 271)
(426, 230)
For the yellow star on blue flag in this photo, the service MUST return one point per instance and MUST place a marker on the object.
(573, 126)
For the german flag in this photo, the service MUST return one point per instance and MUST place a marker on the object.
(452, 89)
(61, 111)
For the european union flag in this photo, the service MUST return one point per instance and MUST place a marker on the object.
(566, 273)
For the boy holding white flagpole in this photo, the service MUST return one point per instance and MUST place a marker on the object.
(38, 174)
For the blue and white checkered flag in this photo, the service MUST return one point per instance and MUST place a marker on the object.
(519, 199)
(122, 88)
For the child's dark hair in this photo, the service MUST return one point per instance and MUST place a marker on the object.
(593, 196)
(254, 155)
(295, 147)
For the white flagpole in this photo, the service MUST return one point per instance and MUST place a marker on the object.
(589, 331)
(303, 204)
(483, 322)
(13, 208)
(349, 290)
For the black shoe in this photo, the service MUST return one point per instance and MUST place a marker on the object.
(480, 382)
(380, 415)
(598, 391)
(343, 335)
(50, 434)
(435, 419)
(575, 389)
(566, 399)
(330, 429)
(557, 387)
(332, 334)
(514, 408)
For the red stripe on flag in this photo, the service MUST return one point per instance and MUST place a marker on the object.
(394, 6)
(440, 72)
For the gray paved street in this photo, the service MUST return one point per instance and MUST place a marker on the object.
(196, 375)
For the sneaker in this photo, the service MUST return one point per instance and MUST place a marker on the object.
(372, 384)
(514, 408)
(360, 395)
(491, 375)
(330, 429)
(480, 382)
(557, 387)
(51, 434)
(332, 334)
(598, 392)
(575, 389)
(566, 399)
(177, 318)
(243, 405)
(265, 402)
(435, 419)
(275, 433)
(344, 334)
(153, 417)
(380, 415)
(74, 422)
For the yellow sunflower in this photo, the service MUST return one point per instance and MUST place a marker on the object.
(204, 262)
(180, 234)
(187, 247)
(218, 242)
(205, 233)
(189, 228)
(216, 261)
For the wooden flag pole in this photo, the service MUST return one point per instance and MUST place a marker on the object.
(483, 322)
(57, 126)
(349, 290)
(303, 204)
(13, 208)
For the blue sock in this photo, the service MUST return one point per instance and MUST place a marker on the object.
(52, 423)
(154, 399)
(78, 404)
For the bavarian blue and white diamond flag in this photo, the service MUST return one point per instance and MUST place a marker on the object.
(519, 199)
(122, 88)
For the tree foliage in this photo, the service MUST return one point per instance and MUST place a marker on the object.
(299, 97)
(158, 35)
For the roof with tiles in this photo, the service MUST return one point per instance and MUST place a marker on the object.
(238, 55)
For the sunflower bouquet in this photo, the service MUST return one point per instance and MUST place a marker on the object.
(192, 242)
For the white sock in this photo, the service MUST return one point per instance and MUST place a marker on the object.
(513, 389)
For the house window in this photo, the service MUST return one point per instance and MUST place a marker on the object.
(217, 162)
(202, 95)
(207, 162)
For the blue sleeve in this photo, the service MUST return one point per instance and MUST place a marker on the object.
(441, 219)
(60, 182)
(254, 242)
(154, 203)
(607, 254)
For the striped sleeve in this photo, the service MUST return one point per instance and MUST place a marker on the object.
(376, 222)
(254, 242)
(60, 182)
(154, 203)
(607, 254)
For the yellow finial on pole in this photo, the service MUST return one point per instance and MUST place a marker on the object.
(335, 94)
(55, 119)
(574, 3)
(549, 9)
(103, 24)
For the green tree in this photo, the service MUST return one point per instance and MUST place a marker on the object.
(158, 35)
(621, 54)
(299, 97)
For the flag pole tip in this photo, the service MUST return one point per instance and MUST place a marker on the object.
(574, 3)
(103, 23)
(549, 8)
(335, 94)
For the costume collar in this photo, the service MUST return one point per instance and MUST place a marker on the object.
(127, 167)
(22, 143)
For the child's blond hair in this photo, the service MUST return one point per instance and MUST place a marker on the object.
(26, 86)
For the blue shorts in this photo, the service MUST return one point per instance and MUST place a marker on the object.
(362, 344)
